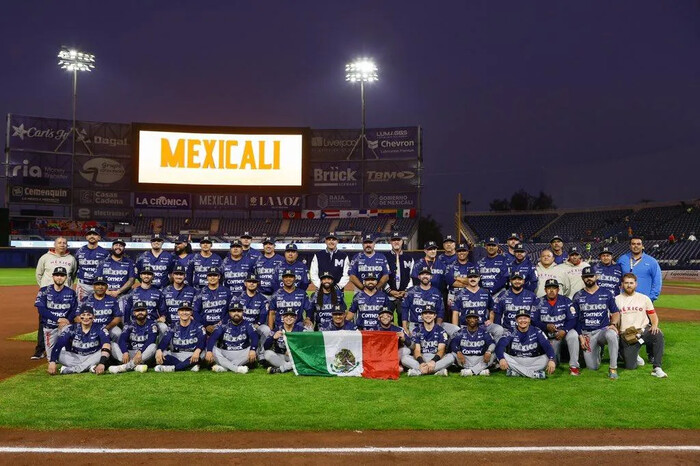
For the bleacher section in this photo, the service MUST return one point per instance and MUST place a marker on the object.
(576, 226)
(365, 225)
(503, 225)
(230, 227)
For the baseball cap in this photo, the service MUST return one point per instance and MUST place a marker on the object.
(236, 244)
(156, 237)
(119, 241)
(605, 250)
(517, 274)
(425, 270)
(552, 282)
(181, 239)
(472, 313)
(99, 281)
(370, 276)
(251, 277)
(574, 250)
(473, 272)
(430, 245)
(139, 305)
(522, 312)
(59, 271)
(556, 238)
(462, 247)
(449, 238)
(288, 273)
(146, 269)
(268, 240)
(368, 238)
(291, 247)
(179, 269)
(92, 231)
(396, 235)
(205, 239)
(246, 234)
(235, 305)
(519, 247)
(331, 235)
(587, 272)
(327, 274)
(428, 308)
(86, 309)
(185, 305)
(213, 271)
(514, 236)
(492, 240)
(337, 309)
(288, 310)
(385, 310)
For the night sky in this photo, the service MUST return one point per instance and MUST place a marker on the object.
(597, 103)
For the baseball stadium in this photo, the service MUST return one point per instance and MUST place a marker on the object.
(181, 292)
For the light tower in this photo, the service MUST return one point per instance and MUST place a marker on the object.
(361, 70)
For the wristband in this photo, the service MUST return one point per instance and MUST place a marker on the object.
(436, 358)
(420, 359)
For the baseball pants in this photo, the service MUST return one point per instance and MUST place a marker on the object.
(654, 345)
(50, 337)
(411, 362)
(526, 366)
(475, 363)
(147, 356)
(280, 361)
(598, 339)
(180, 359)
(263, 331)
(83, 291)
(231, 359)
(496, 332)
(114, 334)
(40, 339)
(74, 363)
(572, 343)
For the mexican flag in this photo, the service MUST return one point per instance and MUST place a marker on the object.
(345, 353)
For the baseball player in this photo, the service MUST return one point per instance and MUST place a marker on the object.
(400, 266)
(266, 265)
(547, 269)
(417, 298)
(82, 346)
(153, 298)
(182, 254)
(450, 255)
(429, 351)
(255, 306)
(161, 262)
(290, 262)
(436, 266)
(339, 321)
(182, 345)
(556, 317)
(211, 302)
(289, 296)
(324, 299)
(118, 269)
(512, 301)
(525, 351)
(106, 310)
(177, 293)
(386, 324)
(368, 261)
(572, 268)
(472, 347)
(275, 345)
(367, 303)
(638, 317)
(233, 344)
(236, 267)
(456, 274)
(598, 318)
(644, 267)
(88, 258)
(557, 245)
(201, 263)
(523, 264)
(55, 304)
(608, 272)
(330, 260)
(252, 254)
(493, 269)
(136, 348)
(477, 299)
(509, 249)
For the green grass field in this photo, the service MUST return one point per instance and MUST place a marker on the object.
(689, 302)
(258, 401)
(15, 277)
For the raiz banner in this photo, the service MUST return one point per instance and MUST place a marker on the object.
(34, 169)
(54, 135)
(102, 172)
(37, 195)
(179, 201)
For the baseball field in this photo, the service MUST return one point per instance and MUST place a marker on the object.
(258, 417)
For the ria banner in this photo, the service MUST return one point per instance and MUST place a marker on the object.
(36, 169)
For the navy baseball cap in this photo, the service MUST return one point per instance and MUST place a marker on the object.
(236, 244)
(327, 274)
(185, 305)
(268, 240)
(92, 231)
(385, 310)
(425, 270)
(86, 309)
(205, 239)
(291, 247)
(139, 305)
(522, 313)
(473, 272)
(472, 313)
(428, 308)
(556, 238)
(587, 272)
(213, 271)
(396, 235)
(288, 273)
(370, 276)
(517, 274)
(156, 237)
(462, 247)
(337, 309)
(119, 241)
(574, 250)
(99, 281)
(251, 277)
(449, 238)
(430, 245)
(247, 235)
(147, 269)
(179, 269)
(235, 305)
(59, 271)
(368, 238)
(519, 247)
(514, 236)
(287, 311)
(331, 235)
(605, 250)
(492, 240)
(181, 239)
(552, 282)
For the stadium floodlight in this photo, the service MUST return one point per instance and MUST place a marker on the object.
(362, 70)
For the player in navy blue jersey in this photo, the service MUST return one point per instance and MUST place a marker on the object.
(368, 261)
(473, 347)
(136, 348)
(417, 298)
(233, 344)
(88, 258)
(252, 254)
(450, 255)
(608, 273)
(266, 265)
(289, 296)
(177, 293)
(493, 269)
(291, 262)
(514, 300)
(436, 266)
(236, 267)
(429, 353)
(367, 303)
(118, 269)
(525, 351)
(324, 299)
(339, 321)
(509, 247)
(526, 268)
(182, 345)
(161, 262)
(153, 298)
(81, 347)
(55, 304)
(106, 309)
(182, 254)
(276, 353)
(201, 263)
(557, 246)
(477, 299)
(211, 302)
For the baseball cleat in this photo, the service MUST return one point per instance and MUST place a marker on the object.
(640, 361)
(164, 368)
(485, 373)
(273, 370)
(413, 373)
(117, 369)
(612, 374)
(38, 355)
(539, 375)
(92, 368)
(141, 368)
(242, 369)
(658, 372)
(218, 368)
(466, 372)
(511, 373)
(574, 371)
(442, 373)
(65, 370)
(195, 368)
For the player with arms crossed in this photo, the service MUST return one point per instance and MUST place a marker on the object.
(608, 272)
(324, 299)
(289, 296)
(477, 299)
(368, 261)
(276, 353)
(55, 304)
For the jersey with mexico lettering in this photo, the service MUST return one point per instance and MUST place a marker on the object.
(211, 306)
(457, 270)
(609, 277)
(153, 297)
(161, 265)
(116, 272)
(184, 339)
(529, 344)
(234, 272)
(479, 300)
(301, 274)
(562, 313)
(265, 270)
(75, 340)
(509, 305)
(136, 337)
(105, 310)
(494, 273)
(252, 254)
(199, 267)
(594, 309)
(174, 298)
(279, 345)
(437, 267)
(474, 343)
(634, 310)
(321, 314)
(255, 308)
(429, 340)
(233, 337)
(184, 261)
(366, 308)
(53, 305)
(363, 264)
(528, 271)
(416, 299)
(297, 300)
(88, 260)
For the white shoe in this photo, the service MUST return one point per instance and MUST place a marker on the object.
(164, 368)
(442, 373)
(466, 372)
(195, 368)
(640, 361)
(242, 369)
(658, 372)
(92, 368)
(218, 368)
(413, 373)
(117, 369)
(485, 373)
(65, 370)
(141, 368)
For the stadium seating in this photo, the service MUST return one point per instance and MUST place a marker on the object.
(309, 227)
(503, 225)
(576, 226)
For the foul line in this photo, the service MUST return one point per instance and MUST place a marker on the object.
(356, 450)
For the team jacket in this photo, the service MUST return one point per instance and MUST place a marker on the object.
(528, 344)
(153, 298)
(457, 269)
(211, 306)
(265, 269)
(301, 274)
(321, 314)
(161, 265)
(79, 342)
(184, 339)
(88, 260)
(437, 267)
(53, 305)
(562, 314)
(399, 277)
(609, 277)
(105, 309)
(347, 325)
(117, 273)
(278, 345)
(137, 337)
(234, 272)
(297, 300)
(465, 301)
(416, 299)
(366, 308)
(362, 264)
(529, 272)
(429, 339)
(494, 273)
(233, 337)
(510, 303)
(255, 308)
(594, 309)
(472, 343)
(173, 298)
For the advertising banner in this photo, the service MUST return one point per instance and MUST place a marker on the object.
(102, 213)
(39, 195)
(102, 172)
(333, 201)
(171, 201)
(90, 197)
(275, 202)
(219, 201)
(334, 144)
(340, 176)
(54, 135)
(391, 176)
(382, 144)
(391, 200)
(35, 169)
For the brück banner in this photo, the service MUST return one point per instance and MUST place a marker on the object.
(102, 172)
(339, 176)
(54, 135)
(219, 201)
(333, 201)
(35, 169)
(391, 176)
(382, 144)
(90, 197)
(102, 213)
(39, 195)
(391, 200)
(170, 201)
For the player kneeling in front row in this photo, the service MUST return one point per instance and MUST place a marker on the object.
(429, 353)
(233, 343)
(81, 347)
(182, 344)
(639, 324)
(276, 353)
(525, 351)
(472, 347)
(386, 324)
(338, 321)
(137, 343)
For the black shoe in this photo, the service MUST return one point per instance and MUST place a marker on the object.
(273, 370)
(38, 355)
